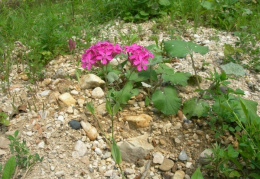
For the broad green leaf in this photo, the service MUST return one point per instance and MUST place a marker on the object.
(178, 78)
(116, 108)
(178, 48)
(233, 69)
(9, 168)
(234, 173)
(126, 93)
(197, 174)
(229, 50)
(4, 122)
(116, 152)
(192, 107)
(112, 76)
(207, 5)
(166, 100)
(164, 2)
(147, 74)
(16, 133)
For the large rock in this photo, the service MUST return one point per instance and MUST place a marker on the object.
(67, 99)
(135, 148)
(90, 81)
(4, 143)
(142, 120)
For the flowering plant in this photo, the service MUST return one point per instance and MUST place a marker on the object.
(103, 52)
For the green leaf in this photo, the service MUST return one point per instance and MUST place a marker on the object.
(197, 174)
(90, 107)
(108, 107)
(126, 93)
(116, 152)
(233, 69)
(234, 173)
(229, 50)
(147, 100)
(4, 122)
(178, 48)
(178, 78)
(166, 100)
(192, 107)
(254, 175)
(9, 168)
(116, 108)
(207, 5)
(16, 133)
(164, 2)
(231, 152)
(112, 76)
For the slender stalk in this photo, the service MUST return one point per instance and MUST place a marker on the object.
(193, 66)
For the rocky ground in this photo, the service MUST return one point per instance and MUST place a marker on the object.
(160, 147)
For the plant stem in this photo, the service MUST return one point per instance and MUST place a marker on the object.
(193, 66)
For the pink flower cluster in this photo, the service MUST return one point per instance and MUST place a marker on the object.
(103, 52)
(100, 53)
(138, 56)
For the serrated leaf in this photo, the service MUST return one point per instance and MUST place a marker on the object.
(166, 100)
(9, 168)
(197, 174)
(233, 69)
(112, 76)
(178, 48)
(192, 107)
(116, 152)
(164, 2)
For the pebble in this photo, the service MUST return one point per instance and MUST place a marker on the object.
(74, 124)
(108, 173)
(179, 174)
(188, 165)
(158, 158)
(98, 93)
(85, 160)
(183, 156)
(61, 118)
(67, 99)
(70, 110)
(142, 120)
(52, 168)
(98, 151)
(30, 133)
(60, 173)
(166, 165)
(4, 143)
(203, 159)
(162, 142)
(129, 171)
(41, 145)
(81, 148)
(177, 140)
(45, 93)
(74, 92)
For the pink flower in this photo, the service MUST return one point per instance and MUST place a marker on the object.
(100, 53)
(138, 56)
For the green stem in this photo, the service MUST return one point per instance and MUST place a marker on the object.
(242, 126)
(193, 66)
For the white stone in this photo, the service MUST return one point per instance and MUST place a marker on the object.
(90, 81)
(98, 93)
(41, 145)
(30, 133)
(81, 148)
(45, 93)
(74, 92)
(108, 173)
(67, 99)
(188, 165)
(70, 110)
(158, 158)
(98, 151)
(61, 118)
